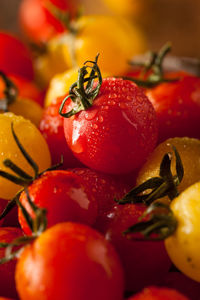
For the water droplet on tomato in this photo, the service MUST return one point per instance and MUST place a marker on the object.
(90, 114)
(100, 119)
(95, 126)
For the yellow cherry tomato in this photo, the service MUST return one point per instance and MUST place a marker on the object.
(189, 151)
(28, 109)
(116, 39)
(60, 84)
(183, 246)
(33, 142)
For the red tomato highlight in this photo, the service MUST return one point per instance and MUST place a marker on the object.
(69, 261)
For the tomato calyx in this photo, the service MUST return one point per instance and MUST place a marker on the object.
(83, 92)
(163, 185)
(152, 73)
(159, 223)
(10, 92)
(37, 225)
(21, 178)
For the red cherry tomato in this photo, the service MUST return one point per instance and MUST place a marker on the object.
(105, 189)
(65, 197)
(117, 133)
(51, 126)
(69, 261)
(144, 262)
(157, 293)
(26, 88)
(15, 57)
(177, 105)
(38, 23)
(7, 270)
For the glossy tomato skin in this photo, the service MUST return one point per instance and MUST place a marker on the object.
(7, 270)
(144, 262)
(81, 262)
(105, 189)
(32, 141)
(183, 245)
(26, 88)
(38, 23)
(51, 127)
(189, 151)
(65, 197)
(117, 133)
(158, 293)
(19, 61)
(177, 105)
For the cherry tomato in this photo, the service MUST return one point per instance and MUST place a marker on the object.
(10, 101)
(38, 23)
(159, 293)
(144, 262)
(114, 38)
(59, 85)
(177, 105)
(189, 151)
(33, 142)
(64, 195)
(27, 89)
(183, 245)
(78, 259)
(7, 270)
(15, 57)
(117, 133)
(28, 109)
(51, 127)
(105, 189)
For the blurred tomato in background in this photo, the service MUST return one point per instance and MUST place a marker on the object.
(161, 20)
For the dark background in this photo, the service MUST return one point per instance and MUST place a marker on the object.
(8, 15)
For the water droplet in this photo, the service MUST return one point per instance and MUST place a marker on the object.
(112, 102)
(90, 114)
(129, 98)
(95, 126)
(100, 119)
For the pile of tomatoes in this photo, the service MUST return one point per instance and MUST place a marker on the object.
(99, 164)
